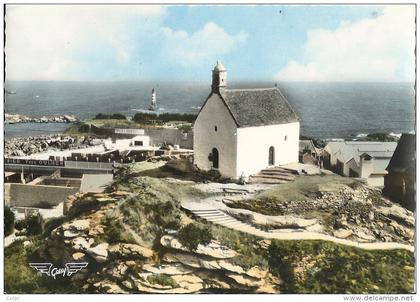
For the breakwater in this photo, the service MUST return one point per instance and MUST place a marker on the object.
(10, 118)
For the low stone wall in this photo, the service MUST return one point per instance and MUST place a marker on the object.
(21, 195)
(170, 136)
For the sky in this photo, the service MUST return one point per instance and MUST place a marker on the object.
(319, 43)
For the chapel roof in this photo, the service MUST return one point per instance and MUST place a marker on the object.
(258, 107)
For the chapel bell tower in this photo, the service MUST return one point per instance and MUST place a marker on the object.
(219, 77)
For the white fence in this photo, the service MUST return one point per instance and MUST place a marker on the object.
(87, 165)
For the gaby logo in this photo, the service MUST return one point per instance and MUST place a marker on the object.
(51, 271)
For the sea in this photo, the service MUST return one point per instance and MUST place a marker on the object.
(326, 110)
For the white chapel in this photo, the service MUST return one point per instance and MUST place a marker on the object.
(242, 131)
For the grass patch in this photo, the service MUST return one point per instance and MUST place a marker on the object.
(20, 278)
(251, 254)
(341, 269)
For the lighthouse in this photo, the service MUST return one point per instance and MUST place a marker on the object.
(153, 101)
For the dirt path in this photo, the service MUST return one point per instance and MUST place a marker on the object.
(212, 211)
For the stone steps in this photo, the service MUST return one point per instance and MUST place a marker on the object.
(221, 218)
(260, 180)
(273, 175)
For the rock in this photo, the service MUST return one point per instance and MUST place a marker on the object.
(281, 221)
(130, 250)
(78, 256)
(97, 230)
(185, 284)
(174, 269)
(230, 267)
(70, 118)
(399, 213)
(342, 233)
(209, 264)
(265, 243)
(256, 272)
(99, 252)
(245, 280)
(128, 284)
(80, 243)
(109, 287)
(267, 289)
(406, 233)
(363, 236)
(213, 249)
(197, 262)
(189, 260)
(187, 278)
(315, 228)
(70, 234)
(80, 225)
(145, 289)
(118, 272)
(217, 284)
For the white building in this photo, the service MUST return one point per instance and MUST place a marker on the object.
(140, 141)
(367, 160)
(241, 131)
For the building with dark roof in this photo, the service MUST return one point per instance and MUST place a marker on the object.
(400, 183)
(366, 160)
(241, 131)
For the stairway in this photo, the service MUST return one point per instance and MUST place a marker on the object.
(273, 175)
(221, 218)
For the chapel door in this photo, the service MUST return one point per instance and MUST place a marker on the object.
(271, 156)
(215, 158)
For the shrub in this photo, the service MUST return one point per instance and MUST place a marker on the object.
(381, 137)
(116, 116)
(185, 128)
(114, 233)
(162, 279)
(191, 236)
(148, 118)
(53, 223)
(9, 221)
(34, 225)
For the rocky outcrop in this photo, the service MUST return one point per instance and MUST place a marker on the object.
(21, 146)
(213, 249)
(82, 202)
(132, 267)
(127, 250)
(355, 212)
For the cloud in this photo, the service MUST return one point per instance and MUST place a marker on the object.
(207, 44)
(379, 49)
(52, 42)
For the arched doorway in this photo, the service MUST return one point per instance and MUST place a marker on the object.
(271, 156)
(215, 158)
